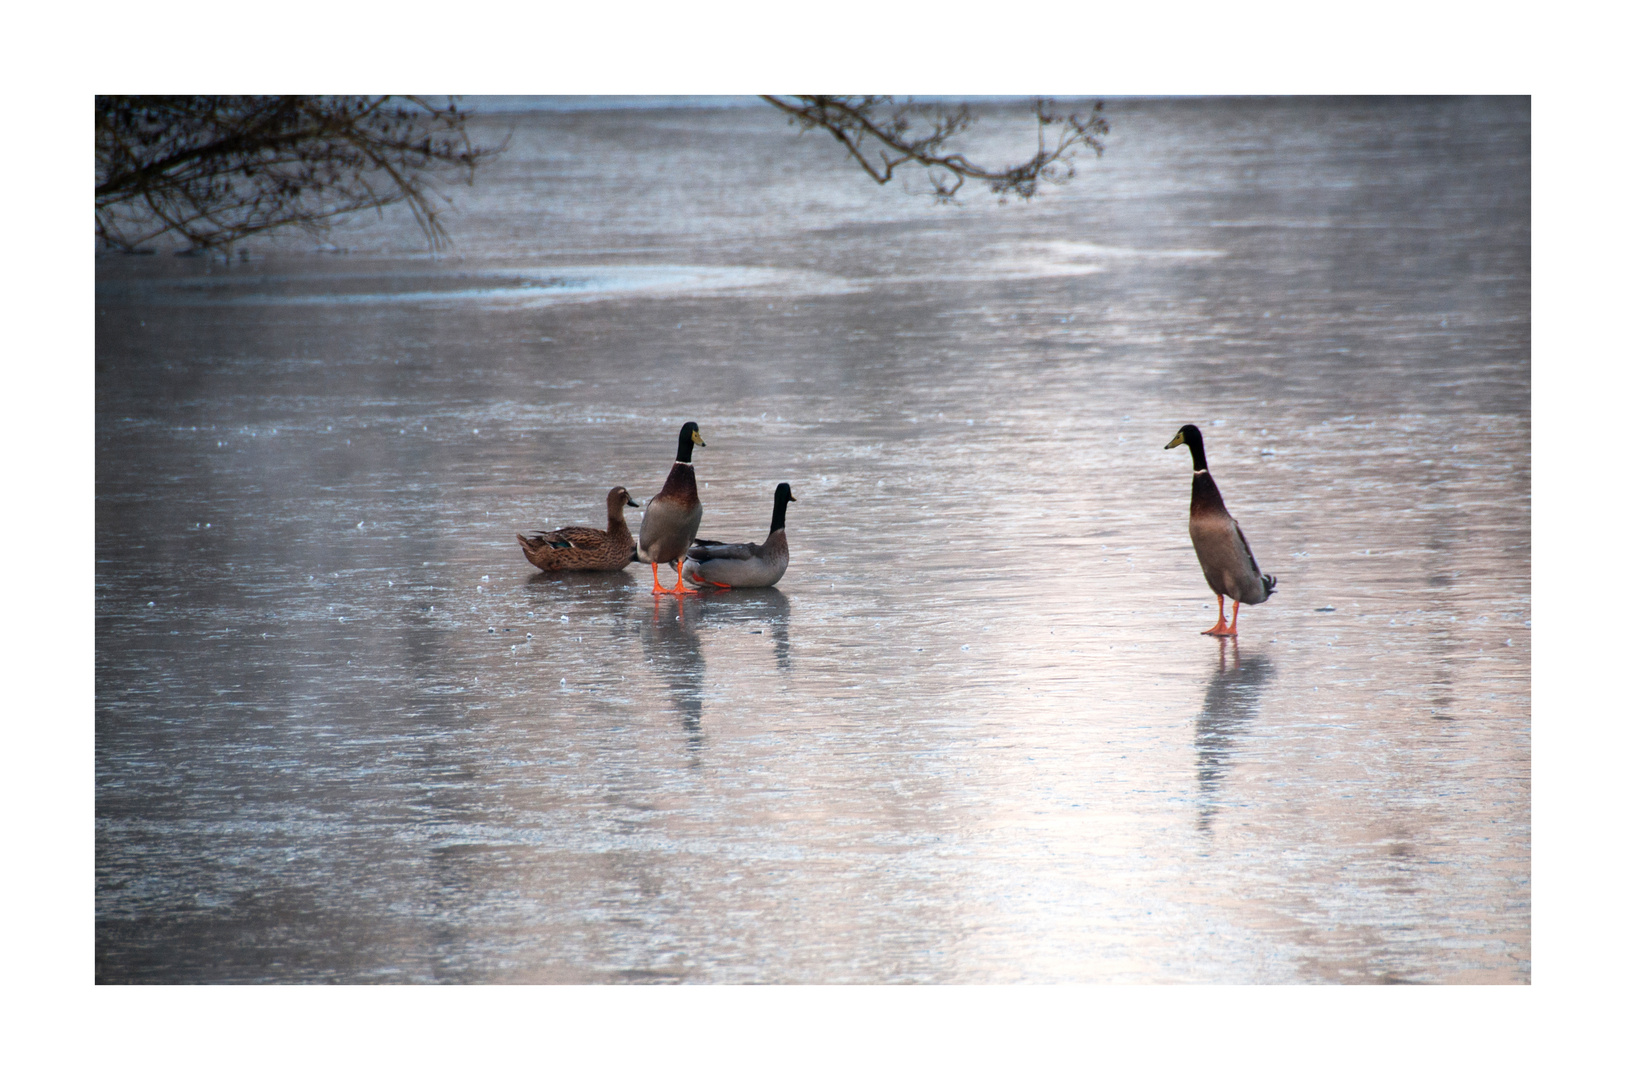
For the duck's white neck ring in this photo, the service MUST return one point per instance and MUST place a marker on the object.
(690, 464)
(1195, 472)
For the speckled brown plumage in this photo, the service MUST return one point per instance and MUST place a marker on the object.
(577, 547)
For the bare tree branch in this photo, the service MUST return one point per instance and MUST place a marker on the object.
(215, 170)
(877, 132)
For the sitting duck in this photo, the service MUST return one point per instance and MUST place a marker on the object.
(577, 547)
(732, 566)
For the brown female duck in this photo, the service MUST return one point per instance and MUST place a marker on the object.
(577, 547)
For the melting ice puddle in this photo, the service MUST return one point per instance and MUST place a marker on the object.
(537, 285)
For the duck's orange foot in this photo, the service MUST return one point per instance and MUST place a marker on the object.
(659, 589)
(698, 580)
(680, 590)
(1219, 629)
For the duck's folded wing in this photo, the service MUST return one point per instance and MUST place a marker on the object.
(575, 536)
(1265, 579)
(1245, 553)
(711, 550)
(543, 539)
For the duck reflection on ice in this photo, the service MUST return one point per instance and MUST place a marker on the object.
(671, 641)
(1234, 692)
(780, 627)
(605, 587)
(751, 608)
(672, 650)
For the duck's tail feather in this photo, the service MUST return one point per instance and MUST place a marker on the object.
(1270, 585)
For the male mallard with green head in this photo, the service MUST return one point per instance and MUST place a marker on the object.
(1222, 550)
(672, 518)
(727, 566)
(577, 547)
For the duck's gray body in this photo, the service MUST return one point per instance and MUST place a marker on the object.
(738, 565)
(1222, 550)
(672, 518)
(744, 566)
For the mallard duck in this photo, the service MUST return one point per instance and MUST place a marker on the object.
(727, 566)
(577, 547)
(1223, 551)
(673, 517)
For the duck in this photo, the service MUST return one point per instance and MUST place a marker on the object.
(672, 518)
(751, 566)
(577, 547)
(1222, 550)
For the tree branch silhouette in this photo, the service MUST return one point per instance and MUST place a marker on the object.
(215, 170)
(880, 133)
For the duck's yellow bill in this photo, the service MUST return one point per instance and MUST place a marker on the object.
(1179, 438)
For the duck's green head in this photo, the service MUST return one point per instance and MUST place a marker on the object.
(688, 439)
(1188, 435)
(781, 498)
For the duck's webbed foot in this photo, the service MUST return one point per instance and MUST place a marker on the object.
(698, 580)
(659, 589)
(680, 590)
(1219, 629)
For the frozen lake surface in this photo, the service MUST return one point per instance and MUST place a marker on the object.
(344, 732)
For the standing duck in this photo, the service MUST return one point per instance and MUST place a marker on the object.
(673, 517)
(577, 547)
(1222, 550)
(726, 566)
